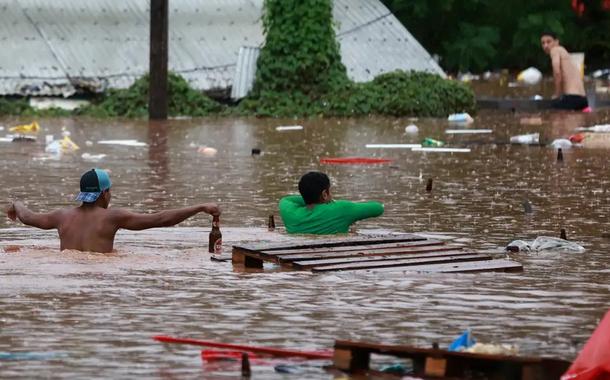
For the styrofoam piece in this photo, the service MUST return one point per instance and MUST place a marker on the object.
(467, 131)
(393, 146)
(289, 128)
(122, 142)
(442, 150)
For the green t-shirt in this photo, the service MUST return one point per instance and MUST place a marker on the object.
(324, 218)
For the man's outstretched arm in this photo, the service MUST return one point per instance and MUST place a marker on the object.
(135, 221)
(45, 221)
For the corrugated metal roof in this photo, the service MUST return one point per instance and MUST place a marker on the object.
(244, 72)
(51, 47)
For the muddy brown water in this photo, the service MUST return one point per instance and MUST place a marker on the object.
(96, 313)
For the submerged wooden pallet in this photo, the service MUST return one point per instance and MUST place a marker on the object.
(436, 363)
(403, 252)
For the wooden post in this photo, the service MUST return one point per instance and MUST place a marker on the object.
(157, 90)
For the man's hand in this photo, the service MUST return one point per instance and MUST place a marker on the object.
(212, 209)
(11, 212)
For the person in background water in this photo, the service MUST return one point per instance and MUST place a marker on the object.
(93, 225)
(316, 212)
(569, 88)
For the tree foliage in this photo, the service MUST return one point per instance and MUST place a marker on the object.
(477, 35)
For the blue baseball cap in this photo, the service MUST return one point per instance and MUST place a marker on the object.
(92, 183)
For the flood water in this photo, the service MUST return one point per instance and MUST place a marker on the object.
(95, 314)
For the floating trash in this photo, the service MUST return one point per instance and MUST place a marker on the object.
(289, 128)
(577, 138)
(61, 146)
(545, 244)
(92, 157)
(33, 127)
(561, 143)
(530, 76)
(467, 131)
(207, 151)
(596, 128)
(411, 129)
(432, 142)
(24, 139)
(354, 160)
(393, 146)
(527, 139)
(442, 150)
(461, 118)
(122, 142)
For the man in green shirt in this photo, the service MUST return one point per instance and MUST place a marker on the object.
(315, 211)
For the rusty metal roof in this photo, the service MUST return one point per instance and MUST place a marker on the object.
(56, 47)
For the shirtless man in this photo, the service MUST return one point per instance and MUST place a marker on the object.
(92, 226)
(569, 89)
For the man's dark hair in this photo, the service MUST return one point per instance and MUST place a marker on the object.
(548, 33)
(312, 185)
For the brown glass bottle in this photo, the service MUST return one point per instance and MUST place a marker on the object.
(271, 225)
(215, 244)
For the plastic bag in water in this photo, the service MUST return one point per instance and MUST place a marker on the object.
(546, 244)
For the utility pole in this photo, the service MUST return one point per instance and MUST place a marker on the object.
(157, 90)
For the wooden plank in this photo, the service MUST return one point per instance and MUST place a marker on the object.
(319, 243)
(408, 351)
(401, 263)
(442, 363)
(499, 265)
(381, 252)
(245, 258)
(305, 264)
(351, 248)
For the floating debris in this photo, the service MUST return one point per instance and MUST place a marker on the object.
(122, 142)
(289, 128)
(467, 131)
(393, 146)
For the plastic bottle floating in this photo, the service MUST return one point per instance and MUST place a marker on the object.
(432, 142)
(61, 146)
(530, 76)
(460, 118)
(33, 127)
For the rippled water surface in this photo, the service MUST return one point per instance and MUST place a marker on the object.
(97, 312)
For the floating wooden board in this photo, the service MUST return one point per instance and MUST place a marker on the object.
(397, 253)
(428, 362)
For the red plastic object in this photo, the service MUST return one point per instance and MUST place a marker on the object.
(593, 362)
(213, 355)
(587, 110)
(354, 160)
(577, 138)
(261, 350)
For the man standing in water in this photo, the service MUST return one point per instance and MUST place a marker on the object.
(315, 211)
(92, 226)
(569, 88)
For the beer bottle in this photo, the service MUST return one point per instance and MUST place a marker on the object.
(215, 244)
(271, 225)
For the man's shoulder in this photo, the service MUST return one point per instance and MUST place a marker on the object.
(559, 50)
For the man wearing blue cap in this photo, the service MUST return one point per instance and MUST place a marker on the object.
(92, 226)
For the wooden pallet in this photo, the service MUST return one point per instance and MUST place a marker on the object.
(435, 363)
(402, 252)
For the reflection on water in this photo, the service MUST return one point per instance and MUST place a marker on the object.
(101, 310)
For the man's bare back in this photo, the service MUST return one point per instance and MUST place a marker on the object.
(564, 68)
(93, 225)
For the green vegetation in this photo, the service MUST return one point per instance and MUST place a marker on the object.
(300, 73)
(474, 35)
(133, 101)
